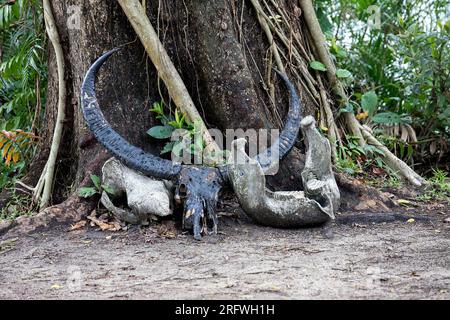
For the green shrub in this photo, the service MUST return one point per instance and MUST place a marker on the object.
(23, 81)
(400, 70)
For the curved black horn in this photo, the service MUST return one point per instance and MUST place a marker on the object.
(130, 155)
(289, 134)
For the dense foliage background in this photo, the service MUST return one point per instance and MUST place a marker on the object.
(393, 56)
(23, 81)
(397, 52)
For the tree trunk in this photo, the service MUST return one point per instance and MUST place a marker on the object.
(219, 58)
(221, 53)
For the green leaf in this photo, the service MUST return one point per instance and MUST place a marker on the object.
(373, 149)
(168, 147)
(96, 180)
(165, 119)
(108, 189)
(360, 150)
(369, 102)
(348, 108)
(317, 65)
(341, 53)
(410, 150)
(387, 118)
(325, 23)
(379, 162)
(447, 25)
(87, 192)
(342, 73)
(158, 108)
(161, 132)
(349, 171)
(402, 150)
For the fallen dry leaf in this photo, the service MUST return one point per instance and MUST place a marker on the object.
(167, 229)
(78, 225)
(377, 170)
(8, 245)
(403, 202)
(410, 220)
(105, 226)
(104, 217)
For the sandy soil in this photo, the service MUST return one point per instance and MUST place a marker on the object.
(339, 261)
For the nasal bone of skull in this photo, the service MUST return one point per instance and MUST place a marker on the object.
(197, 224)
(308, 122)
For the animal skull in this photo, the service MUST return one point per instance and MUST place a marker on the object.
(317, 204)
(145, 196)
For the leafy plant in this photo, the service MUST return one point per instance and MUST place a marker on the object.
(439, 188)
(98, 187)
(441, 180)
(14, 145)
(353, 159)
(400, 70)
(189, 136)
(18, 205)
(343, 73)
(22, 83)
(171, 122)
(369, 102)
(348, 166)
(393, 181)
(317, 65)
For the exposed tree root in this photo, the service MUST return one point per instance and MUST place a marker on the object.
(43, 190)
(71, 210)
(393, 162)
(318, 37)
(294, 54)
(361, 197)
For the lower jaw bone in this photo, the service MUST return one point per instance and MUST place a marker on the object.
(316, 205)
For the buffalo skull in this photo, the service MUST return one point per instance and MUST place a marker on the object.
(198, 187)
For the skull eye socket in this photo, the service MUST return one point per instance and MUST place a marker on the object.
(182, 190)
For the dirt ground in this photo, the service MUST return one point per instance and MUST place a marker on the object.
(399, 259)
